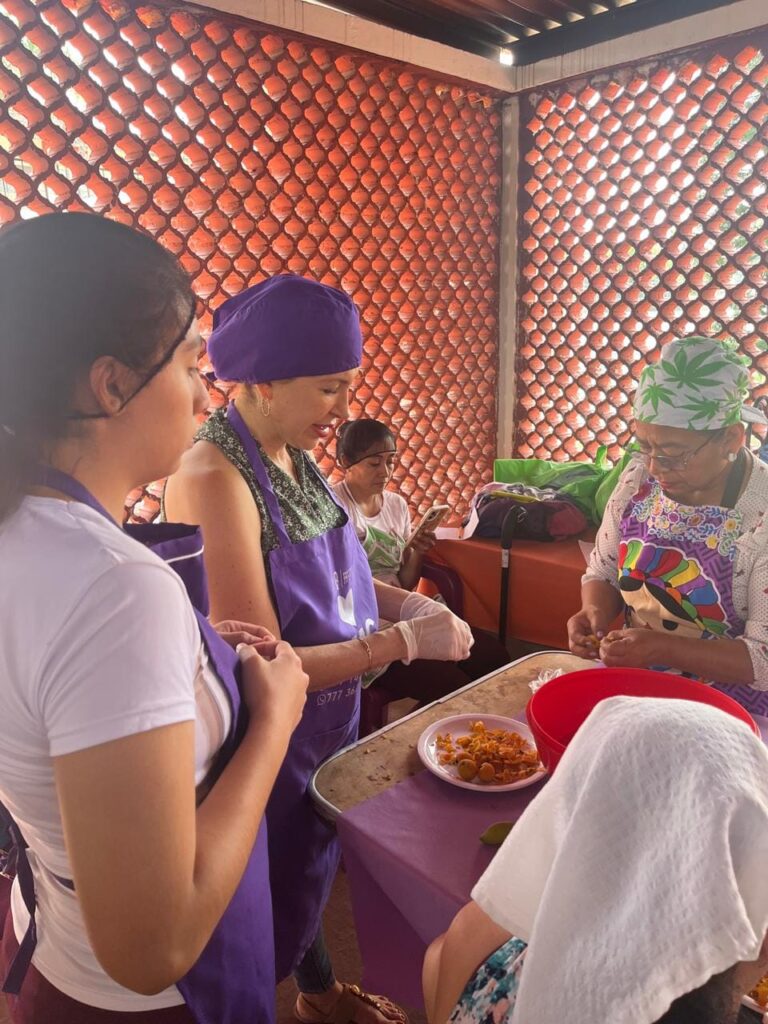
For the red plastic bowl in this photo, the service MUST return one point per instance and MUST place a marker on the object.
(556, 711)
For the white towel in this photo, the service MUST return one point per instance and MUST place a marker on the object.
(640, 870)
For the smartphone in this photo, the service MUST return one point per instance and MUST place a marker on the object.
(430, 520)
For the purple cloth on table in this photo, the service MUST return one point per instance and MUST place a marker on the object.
(412, 855)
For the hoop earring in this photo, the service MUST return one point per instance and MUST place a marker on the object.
(265, 406)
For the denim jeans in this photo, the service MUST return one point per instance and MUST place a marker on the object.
(315, 974)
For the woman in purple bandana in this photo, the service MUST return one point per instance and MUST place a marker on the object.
(282, 552)
(683, 547)
(137, 751)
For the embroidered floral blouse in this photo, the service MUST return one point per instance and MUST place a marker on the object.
(750, 564)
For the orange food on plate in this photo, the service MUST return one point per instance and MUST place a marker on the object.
(493, 757)
(760, 992)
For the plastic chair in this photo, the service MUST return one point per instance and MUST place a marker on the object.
(373, 700)
(448, 582)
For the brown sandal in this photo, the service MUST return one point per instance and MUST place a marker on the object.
(344, 1010)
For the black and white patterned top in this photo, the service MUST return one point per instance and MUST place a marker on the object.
(307, 508)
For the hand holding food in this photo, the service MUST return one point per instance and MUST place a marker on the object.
(586, 630)
(633, 648)
(275, 690)
(441, 636)
(236, 633)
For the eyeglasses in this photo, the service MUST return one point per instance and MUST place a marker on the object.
(678, 462)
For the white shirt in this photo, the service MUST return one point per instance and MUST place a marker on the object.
(99, 642)
(384, 535)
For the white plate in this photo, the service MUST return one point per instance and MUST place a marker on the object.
(460, 725)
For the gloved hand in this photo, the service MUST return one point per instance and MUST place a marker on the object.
(441, 636)
(416, 606)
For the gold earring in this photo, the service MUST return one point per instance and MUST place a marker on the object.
(265, 406)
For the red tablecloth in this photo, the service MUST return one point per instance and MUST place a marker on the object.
(544, 585)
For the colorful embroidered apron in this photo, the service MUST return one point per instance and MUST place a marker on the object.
(676, 566)
(324, 593)
(232, 982)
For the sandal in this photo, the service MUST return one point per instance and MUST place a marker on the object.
(344, 1010)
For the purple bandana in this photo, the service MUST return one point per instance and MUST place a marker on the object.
(287, 326)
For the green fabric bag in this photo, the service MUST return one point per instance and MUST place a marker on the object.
(608, 483)
(579, 481)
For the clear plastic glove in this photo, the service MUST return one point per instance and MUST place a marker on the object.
(441, 636)
(416, 606)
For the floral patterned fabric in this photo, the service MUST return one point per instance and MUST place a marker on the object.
(716, 527)
(490, 994)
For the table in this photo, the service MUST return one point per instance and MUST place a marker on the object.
(388, 756)
(409, 869)
(544, 587)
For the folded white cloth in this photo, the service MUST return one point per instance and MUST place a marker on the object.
(639, 871)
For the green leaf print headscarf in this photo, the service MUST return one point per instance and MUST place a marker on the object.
(697, 384)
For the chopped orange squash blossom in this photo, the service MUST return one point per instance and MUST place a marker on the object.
(489, 756)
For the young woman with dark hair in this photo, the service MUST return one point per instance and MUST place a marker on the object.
(120, 706)
(367, 452)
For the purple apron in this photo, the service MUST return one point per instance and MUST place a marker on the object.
(232, 982)
(323, 591)
(676, 573)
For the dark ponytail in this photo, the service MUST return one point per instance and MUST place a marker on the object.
(356, 437)
(75, 287)
(711, 1003)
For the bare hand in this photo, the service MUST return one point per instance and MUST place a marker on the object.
(275, 690)
(632, 648)
(420, 544)
(586, 629)
(236, 633)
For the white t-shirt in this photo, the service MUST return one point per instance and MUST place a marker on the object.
(383, 536)
(99, 641)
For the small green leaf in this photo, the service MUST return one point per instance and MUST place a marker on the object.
(495, 834)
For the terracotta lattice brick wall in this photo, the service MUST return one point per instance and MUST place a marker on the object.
(250, 153)
(643, 218)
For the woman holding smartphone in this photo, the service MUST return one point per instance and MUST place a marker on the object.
(367, 453)
(280, 551)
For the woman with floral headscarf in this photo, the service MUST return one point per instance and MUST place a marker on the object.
(683, 547)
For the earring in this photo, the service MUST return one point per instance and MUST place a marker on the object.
(731, 456)
(265, 406)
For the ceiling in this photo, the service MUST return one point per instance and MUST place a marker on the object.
(530, 29)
